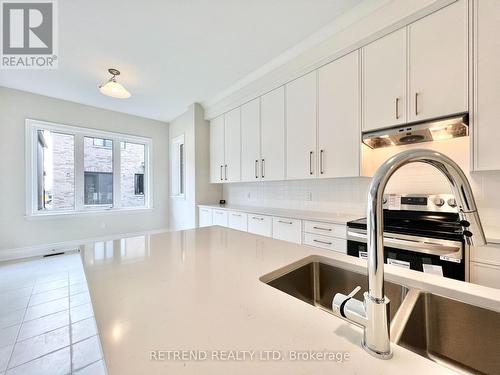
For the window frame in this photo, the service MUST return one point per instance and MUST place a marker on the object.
(177, 182)
(31, 139)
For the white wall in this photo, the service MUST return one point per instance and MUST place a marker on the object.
(348, 195)
(18, 231)
(183, 211)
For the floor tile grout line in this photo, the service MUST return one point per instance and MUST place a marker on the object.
(18, 331)
(90, 364)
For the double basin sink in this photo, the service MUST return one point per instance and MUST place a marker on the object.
(453, 333)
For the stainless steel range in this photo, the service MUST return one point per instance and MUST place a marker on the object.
(421, 232)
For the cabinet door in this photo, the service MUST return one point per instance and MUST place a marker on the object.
(338, 118)
(485, 274)
(287, 229)
(217, 149)
(250, 141)
(487, 80)
(204, 217)
(301, 105)
(260, 224)
(232, 144)
(438, 67)
(219, 217)
(237, 220)
(384, 81)
(272, 107)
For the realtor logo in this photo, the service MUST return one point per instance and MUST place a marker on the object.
(28, 35)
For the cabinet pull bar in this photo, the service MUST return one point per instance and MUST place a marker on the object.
(323, 242)
(321, 155)
(327, 229)
(285, 222)
(416, 104)
(263, 168)
(257, 218)
(310, 162)
(397, 108)
(221, 172)
(225, 172)
(256, 169)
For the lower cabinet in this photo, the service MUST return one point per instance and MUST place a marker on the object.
(260, 224)
(237, 220)
(219, 217)
(204, 217)
(325, 235)
(287, 229)
(485, 265)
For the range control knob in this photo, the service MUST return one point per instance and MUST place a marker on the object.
(452, 202)
(439, 202)
(385, 200)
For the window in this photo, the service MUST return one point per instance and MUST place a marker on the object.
(178, 178)
(76, 170)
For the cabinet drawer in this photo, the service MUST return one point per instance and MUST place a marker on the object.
(485, 274)
(205, 217)
(486, 254)
(325, 229)
(325, 242)
(287, 229)
(260, 224)
(219, 217)
(237, 220)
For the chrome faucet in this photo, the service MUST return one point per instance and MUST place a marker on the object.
(373, 313)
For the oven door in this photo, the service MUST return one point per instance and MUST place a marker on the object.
(441, 257)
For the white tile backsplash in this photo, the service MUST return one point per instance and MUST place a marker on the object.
(348, 195)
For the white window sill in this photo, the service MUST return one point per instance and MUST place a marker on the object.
(96, 212)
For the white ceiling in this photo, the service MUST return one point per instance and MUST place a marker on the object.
(171, 52)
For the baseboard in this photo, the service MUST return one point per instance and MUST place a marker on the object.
(53, 248)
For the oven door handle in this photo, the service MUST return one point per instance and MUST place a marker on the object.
(450, 253)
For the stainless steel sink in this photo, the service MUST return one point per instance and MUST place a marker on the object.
(449, 332)
(316, 283)
(458, 335)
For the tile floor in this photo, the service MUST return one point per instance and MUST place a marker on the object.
(47, 323)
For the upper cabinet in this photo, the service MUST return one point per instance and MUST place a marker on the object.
(250, 145)
(384, 81)
(338, 118)
(217, 150)
(438, 63)
(232, 143)
(272, 107)
(487, 85)
(301, 117)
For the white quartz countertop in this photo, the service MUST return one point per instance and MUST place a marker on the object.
(199, 290)
(326, 217)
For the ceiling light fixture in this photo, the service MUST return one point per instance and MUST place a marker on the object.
(113, 88)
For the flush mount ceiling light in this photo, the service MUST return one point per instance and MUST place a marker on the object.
(113, 88)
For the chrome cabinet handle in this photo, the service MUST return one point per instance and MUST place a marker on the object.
(262, 168)
(256, 169)
(225, 172)
(221, 172)
(397, 108)
(237, 215)
(327, 229)
(321, 153)
(285, 222)
(310, 162)
(416, 104)
(257, 218)
(323, 242)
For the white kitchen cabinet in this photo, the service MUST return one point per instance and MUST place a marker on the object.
(232, 146)
(438, 65)
(260, 224)
(287, 229)
(384, 81)
(272, 109)
(217, 150)
(250, 141)
(339, 118)
(237, 220)
(204, 217)
(329, 243)
(485, 274)
(219, 217)
(301, 116)
(487, 85)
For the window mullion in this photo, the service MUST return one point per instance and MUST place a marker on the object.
(79, 173)
(117, 174)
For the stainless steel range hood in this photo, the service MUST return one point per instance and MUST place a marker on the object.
(424, 131)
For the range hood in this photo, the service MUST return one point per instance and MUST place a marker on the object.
(423, 131)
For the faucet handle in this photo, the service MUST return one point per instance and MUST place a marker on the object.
(354, 292)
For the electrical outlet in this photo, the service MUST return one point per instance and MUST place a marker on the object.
(309, 196)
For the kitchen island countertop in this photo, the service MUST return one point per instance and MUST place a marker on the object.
(199, 291)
